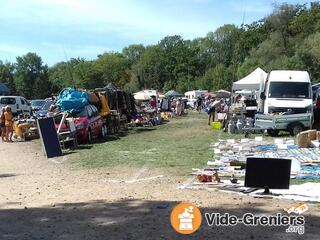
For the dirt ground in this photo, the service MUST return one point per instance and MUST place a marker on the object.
(45, 199)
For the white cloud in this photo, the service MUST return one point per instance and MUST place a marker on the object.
(252, 6)
(125, 17)
(76, 49)
(12, 49)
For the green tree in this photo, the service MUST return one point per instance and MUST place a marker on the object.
(7, 74)
(61, 75)
(249, 37)
(150, 69)
(77, 73)
(133, 85)
(309, 56)
(87, 76)
(133, 52)
(181, 60)
(218, 78)
(307, 22)
(113, 67)
(246, 68)
(31, 77)
(221, 45)
(280, 23)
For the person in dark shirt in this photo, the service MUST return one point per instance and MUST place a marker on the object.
(318, 103)
(153, 102)
(2, 125)
(199, 104)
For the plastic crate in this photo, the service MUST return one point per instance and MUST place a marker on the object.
(216, 125)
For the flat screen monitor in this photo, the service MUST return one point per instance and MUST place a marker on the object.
(268, 173)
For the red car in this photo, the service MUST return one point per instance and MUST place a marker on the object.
(88, 124)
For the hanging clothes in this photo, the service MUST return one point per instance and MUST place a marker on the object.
(105, 110)
(133, 109)
(165, 105)
(121, 101)
(111, 96)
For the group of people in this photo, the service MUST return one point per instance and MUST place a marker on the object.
(6, 124)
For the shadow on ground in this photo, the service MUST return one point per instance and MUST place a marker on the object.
(130, 219)
(6, 175)
(141, 130)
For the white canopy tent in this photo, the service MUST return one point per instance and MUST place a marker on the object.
(250, 82)
(145, 94)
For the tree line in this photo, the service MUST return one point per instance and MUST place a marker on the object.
(288, 38)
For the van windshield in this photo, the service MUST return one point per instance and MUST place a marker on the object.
(289, 90)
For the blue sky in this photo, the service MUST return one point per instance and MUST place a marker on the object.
(61, 29)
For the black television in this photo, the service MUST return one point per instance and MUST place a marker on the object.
(267, 173)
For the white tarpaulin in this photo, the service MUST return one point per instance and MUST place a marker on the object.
(309, 191)
(250, 82)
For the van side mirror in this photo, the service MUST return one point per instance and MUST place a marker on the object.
(263, 96)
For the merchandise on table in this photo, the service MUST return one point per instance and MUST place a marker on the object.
(231, 151)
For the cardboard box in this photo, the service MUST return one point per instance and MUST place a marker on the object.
(303, 140)
(312, 134)
(318, 135)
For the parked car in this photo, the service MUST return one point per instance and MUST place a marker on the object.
(88, 124)
(17, 104)
(42, 112)
(37, 104)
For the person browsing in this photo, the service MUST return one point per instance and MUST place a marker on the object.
(8, 123)
(2, 125)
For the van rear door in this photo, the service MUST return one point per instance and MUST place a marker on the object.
(11, 102)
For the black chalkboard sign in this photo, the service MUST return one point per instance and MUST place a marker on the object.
(49, 137)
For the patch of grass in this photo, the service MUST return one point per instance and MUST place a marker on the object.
(179, 145)
(301, 181)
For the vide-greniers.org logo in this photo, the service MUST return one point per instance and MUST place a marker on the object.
(186, 218)
(295, 223)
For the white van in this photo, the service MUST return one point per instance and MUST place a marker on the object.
(17, 104)
(192, 96)
(287, 91)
